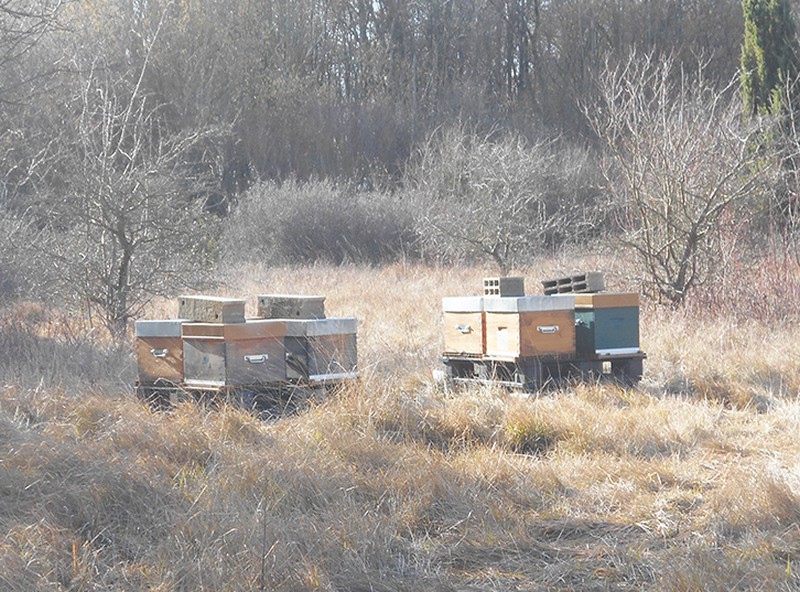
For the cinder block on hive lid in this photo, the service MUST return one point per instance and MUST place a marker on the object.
(504, 286)
(592, 281)
(589, 282)
(287, 306)
(211, 309)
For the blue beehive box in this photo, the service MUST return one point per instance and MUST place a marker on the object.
(607, 323)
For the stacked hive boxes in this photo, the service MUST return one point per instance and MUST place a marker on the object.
(215, 346)
(234, 354)
(578, 318)
(506, 324)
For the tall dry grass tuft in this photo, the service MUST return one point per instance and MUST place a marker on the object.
(46, 348)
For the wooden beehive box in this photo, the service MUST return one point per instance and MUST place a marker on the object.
(280, 306)
(211, 309)
(159, 352)
(530, 326)
(245, 354)
(463, 325)
(332, 347)
(607, 323)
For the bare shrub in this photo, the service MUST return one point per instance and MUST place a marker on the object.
(683, 163)
(761, 282)
(502, 198)
(16, 266)
(317, 221)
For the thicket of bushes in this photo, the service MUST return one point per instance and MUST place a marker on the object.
(465, 197)
(318, 221)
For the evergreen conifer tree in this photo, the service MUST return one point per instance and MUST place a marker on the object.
(769, 54)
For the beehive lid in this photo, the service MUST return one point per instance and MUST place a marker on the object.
(331, 326)
(528, 304)
(607, 300)
(158, 327)
(462, 304)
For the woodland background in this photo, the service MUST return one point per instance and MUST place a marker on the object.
(145, 142)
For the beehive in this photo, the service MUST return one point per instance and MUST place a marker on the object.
(159, 352)
(332, 348)
(607, 323)
(529, 326)
(235, 354)
(463, 325)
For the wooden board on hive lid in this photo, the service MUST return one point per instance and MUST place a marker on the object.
(211, 309)
(285, 306)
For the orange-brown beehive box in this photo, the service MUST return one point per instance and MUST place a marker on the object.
(529, 326)
(159, 352)
(463, 325)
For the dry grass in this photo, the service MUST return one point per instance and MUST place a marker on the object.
(691, 482)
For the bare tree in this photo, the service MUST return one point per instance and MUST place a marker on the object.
(682, 160)
(505, 199)
(125, 211)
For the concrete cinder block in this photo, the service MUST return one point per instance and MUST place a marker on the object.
(504, 286)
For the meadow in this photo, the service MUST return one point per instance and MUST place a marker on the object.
(691, 481)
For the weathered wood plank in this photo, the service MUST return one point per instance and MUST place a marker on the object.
(283, 306)
(211, 309)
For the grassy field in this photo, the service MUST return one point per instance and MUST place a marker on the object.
(689, 482)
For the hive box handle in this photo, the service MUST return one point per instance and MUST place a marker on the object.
(256, 358)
